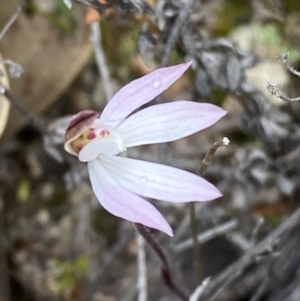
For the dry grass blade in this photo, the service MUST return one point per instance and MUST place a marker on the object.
(4, 103)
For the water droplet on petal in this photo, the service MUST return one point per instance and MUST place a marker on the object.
(156, 84)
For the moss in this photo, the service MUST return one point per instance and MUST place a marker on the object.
(292, 6)
(63, 18)
(268, 33)
(232, 14)
(271, 35)
(217, 96)
(68, 274)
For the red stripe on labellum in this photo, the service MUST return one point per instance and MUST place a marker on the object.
(80, 123)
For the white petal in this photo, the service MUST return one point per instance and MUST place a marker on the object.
(122, 203)
(168, 122)
(141, 91)
(96, 147)
(159, 181)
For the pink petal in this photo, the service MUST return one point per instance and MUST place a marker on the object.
(96, 147)
(159, 181)
(122, 203)
(141, 91)
(168, 122)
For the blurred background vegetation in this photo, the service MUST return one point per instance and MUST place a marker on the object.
(57, 243)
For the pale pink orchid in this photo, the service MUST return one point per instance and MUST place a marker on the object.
(119, 182)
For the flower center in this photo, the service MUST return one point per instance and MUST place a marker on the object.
(87, 135)
(91, 134)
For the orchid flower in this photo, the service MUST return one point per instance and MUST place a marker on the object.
(121, 183)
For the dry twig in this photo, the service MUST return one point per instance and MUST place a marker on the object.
(11, 20)
(167, 274)
(4, 103)
(199, 290)
(172, 38)
(221, 287)
(17, 104)
(183, 17)
(207, 235)
(276, 89)
(211, 152)
(193, 222)
(100, 59)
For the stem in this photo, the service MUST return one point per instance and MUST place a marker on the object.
(196, 246)
(165, 270)
(193, 222)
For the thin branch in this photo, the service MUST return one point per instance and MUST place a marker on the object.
(256, 230)
(142, 269)
(11, 20)
(166, 270)
(276, 90)
(194, 242)
(224, 281)
(193, 222)
(199, 290)
(17, 104)
(211, 152)
(284, 58)
(207, 235)
(39, 124)
(173, 36)
(96, 38)
(240, 241)
(180, 231)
